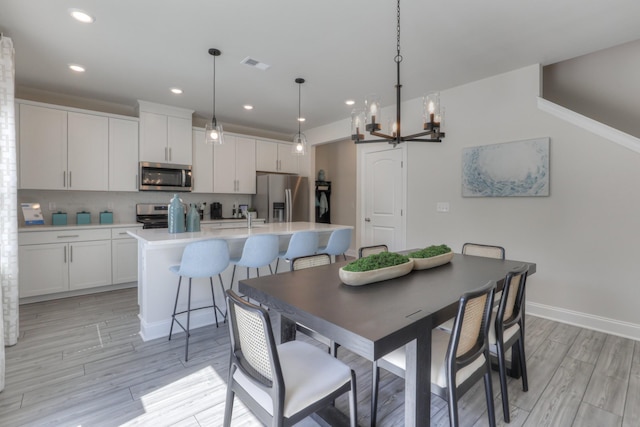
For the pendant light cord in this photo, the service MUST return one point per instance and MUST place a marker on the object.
(299, 108)
(214, 121)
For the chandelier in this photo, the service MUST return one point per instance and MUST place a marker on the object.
(299, 139)
(213, 131)
(369, 117)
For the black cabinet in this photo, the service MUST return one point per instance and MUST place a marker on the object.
(323, 202)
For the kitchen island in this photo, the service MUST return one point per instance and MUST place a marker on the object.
(158, 250)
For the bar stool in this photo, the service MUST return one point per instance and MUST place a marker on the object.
(258, 251)
(206, 258)
(302, 243)
(338, 243)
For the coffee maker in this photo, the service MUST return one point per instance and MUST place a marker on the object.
(216, 210)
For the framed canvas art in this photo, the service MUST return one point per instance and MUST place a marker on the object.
(512, 169)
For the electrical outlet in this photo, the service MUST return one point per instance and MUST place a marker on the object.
(110, 206)
(442, 207)
(52, 206)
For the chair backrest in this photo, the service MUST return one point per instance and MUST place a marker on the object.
(339, 241)
(253, 347)
(512, 301)
(488, 251)
(302, 243)
(469, 336)
(371, 250)
(259, 250)
(310, 261)
(205, 258)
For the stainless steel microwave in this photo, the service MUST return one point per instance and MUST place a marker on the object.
(165, 177)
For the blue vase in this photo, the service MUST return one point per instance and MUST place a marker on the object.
(176, 215)
(193, 219)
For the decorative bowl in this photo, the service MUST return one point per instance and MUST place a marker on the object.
(358, 278)
(434, 261)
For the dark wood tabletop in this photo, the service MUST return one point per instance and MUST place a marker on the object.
(372, 320)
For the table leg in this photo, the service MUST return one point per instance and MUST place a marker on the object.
(417, 385)
(287, 328)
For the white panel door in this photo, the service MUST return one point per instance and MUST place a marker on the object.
(88, 152)
(266, 156)
(89, 264)
(384, 199)
(124, 255)
(43, 269)
(245, 165)
(202, 163)
(153, 138)
(288, 162)
(179, 140)
(224, 166)
(123, 155)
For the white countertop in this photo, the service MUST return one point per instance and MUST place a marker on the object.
(29, 228)
(163, 237)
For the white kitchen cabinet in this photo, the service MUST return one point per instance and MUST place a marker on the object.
(165, 134)
(275, 157)
(202, 171)
(62, 150)
(87, 152)
(58, 261)
(234, 165)
(124, 256)
(123, 155)
(42, 137)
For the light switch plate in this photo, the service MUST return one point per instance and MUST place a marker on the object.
(52, 206)
(442, 207)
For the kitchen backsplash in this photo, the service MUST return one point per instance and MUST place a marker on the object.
(122, 204)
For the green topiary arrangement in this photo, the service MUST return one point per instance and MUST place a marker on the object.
(430, 251)
(376, 261)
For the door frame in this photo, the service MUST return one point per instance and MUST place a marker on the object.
(362, 150)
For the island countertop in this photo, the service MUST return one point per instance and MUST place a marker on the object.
(160, 236)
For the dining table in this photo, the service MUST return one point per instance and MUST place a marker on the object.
(374, 319)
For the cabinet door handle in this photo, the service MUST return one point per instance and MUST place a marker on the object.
(70, 253)
(166, 156)
(367, 220)
(169, 153)
(122, 234)
(65, 254)
(64, 179)
(67, 236)
(69, 179)
(136, 183)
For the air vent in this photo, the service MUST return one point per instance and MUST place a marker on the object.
(255, 63)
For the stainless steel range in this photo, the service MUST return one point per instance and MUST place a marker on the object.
(152, 215)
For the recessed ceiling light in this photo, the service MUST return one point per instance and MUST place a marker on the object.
(248, 107)
(82, 16)
(301, 119)
(77, 68)
(176, 90)
(349, 102)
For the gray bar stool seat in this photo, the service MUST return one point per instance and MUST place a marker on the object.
(201, 259)
(258, 251)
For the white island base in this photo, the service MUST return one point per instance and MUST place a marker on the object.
(157, 286)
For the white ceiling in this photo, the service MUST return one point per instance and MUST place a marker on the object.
(343, 48)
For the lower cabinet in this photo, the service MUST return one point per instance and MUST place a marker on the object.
(67, 260)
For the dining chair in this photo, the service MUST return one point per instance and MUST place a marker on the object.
(258, 251)
(478, 249)
(308, 262)
(302, 243)
(338, 244)
(371, 250)
(458, 360)
(206, 258)
(280, 384)
(507, 331)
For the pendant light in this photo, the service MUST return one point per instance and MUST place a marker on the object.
(213, 131)
(299, 140)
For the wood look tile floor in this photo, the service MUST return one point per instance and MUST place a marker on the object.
(80, 362)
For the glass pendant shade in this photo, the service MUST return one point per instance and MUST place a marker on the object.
(299, 144)
(357, 124)
(372, 106)
(213, 133)
(431, 107)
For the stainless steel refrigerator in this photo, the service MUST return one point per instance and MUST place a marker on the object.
(282, 198)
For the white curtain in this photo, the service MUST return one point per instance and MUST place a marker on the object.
(8, 204)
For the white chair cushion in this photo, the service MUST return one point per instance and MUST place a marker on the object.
(309, 375)
(439, 344)
(507, 335)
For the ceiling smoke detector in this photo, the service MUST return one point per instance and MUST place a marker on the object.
(255, 63)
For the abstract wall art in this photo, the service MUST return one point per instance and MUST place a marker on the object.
(512, 169)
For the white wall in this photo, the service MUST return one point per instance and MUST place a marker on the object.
(583, 237)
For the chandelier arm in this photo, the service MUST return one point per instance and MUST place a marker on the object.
(366, 141)
(382, 135)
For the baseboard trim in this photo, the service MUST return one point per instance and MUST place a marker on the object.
(585, 320)
(160, 329)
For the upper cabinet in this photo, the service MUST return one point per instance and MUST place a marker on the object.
(275, 157)
(63, 150)
(234, 165)
(123, 155)
(202, 172)
(165, 134)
